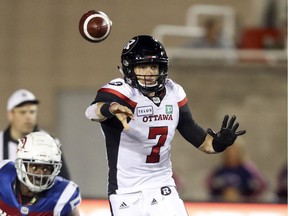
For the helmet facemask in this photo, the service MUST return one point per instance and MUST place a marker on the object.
(36, 182)
(147, 88)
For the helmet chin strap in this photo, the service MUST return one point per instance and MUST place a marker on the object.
(141, 87)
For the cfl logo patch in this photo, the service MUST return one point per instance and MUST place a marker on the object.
(165, 191)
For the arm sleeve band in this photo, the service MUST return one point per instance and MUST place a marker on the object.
(105, 110)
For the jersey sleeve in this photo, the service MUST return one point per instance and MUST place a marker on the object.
(69, 200)
(115, 91)
(178, 92)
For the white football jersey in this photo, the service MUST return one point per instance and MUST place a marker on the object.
(139, 158)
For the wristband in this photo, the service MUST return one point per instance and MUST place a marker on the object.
(105, 110)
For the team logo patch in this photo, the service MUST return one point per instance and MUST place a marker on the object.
(156, 100)
(165, 191)
(169, 109)
(116, 83)
(145, 111)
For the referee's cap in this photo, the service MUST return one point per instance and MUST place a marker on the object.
(20, 97)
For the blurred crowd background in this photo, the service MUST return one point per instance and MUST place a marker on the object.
(229, 55)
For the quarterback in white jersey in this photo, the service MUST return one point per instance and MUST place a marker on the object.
(139, 116)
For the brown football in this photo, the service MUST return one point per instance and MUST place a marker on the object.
(95, 26)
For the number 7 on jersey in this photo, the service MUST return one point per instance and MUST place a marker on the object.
(154, 156)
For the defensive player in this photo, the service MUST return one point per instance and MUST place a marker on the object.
(139, 115)
(30, 185)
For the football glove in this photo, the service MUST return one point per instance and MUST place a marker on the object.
(227, 134)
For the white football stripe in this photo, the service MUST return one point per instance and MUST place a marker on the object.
(109, 23)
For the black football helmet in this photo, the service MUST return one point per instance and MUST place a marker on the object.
(144, 49)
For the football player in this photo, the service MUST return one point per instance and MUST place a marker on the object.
(30, 185)
(139, 115)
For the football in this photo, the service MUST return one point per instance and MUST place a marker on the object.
(95, 26)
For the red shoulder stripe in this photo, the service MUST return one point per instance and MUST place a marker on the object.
(183, 102)
(119, 95)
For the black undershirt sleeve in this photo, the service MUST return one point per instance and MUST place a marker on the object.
(189, 129)
(108, 97)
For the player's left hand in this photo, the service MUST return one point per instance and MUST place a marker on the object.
(227, 134)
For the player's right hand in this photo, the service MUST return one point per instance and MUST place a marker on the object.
(122, 113)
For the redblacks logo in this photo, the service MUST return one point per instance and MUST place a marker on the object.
(23, 142)
(162, 117)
